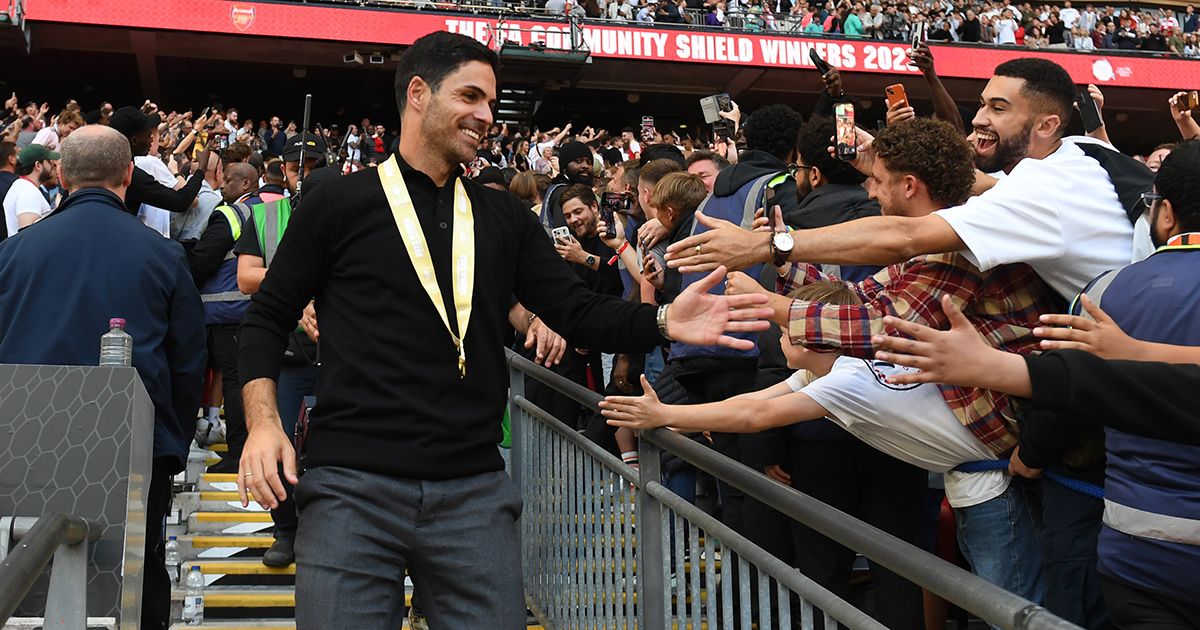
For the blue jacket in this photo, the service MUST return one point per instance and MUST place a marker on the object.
(62, 279)
(1155, 300)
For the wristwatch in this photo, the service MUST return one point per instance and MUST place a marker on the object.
(661, 318)
(781, 247)
(590, 260)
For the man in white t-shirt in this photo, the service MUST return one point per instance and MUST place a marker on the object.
(24, 204)
(1057, 210)
(353, 152)
(1006, 29)
(154, 217)
(1069, 15)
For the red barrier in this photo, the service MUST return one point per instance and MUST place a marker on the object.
(386, 27)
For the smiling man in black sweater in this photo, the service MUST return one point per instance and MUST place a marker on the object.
(403, 470)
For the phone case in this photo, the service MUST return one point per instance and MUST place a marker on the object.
(895, 93)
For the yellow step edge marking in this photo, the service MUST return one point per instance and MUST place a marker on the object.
(257, 542)
(218, 599)
(220, 567)
(218, 495)
(245, 599)
(219, 448)
(233, 517)
(209, 461)
(219, 477)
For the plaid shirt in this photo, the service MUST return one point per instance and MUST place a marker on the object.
(1003, 304)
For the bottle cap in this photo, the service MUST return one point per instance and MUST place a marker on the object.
(195, 569)
(116, 322)
(170, 538)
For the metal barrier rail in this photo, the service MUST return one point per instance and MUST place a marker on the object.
(63, 538)
(604, 549)
(547, 452)
(736, 22)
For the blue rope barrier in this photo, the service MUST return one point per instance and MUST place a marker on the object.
(1080, 486)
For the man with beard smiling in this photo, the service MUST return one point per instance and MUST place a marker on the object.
(1057, 210)
(413, 269)
(575, 160)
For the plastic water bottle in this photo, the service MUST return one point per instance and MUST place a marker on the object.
(193, 605)
(116, 346)
(173, 561)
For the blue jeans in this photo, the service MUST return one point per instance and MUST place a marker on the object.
(654, 365)
(999, 539)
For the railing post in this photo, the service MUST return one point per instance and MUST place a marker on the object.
(651, 543)
(66, 601)
(516, 424)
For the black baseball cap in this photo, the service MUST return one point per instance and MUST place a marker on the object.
(130, 121)
(311, 144)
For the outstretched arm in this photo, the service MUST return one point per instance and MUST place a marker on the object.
(742, 415)
(867, 241)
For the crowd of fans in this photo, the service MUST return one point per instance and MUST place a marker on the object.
(1002, 22)
(625, 209)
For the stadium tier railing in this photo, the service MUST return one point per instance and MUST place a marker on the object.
(605, 545)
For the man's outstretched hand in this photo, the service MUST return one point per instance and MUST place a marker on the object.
(1099, 334)
(959, 356)
(700, 318)
(723, 245)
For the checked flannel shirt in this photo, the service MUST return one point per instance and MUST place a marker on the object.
(1003, 304)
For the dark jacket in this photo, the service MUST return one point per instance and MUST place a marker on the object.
(107, 264)
(832, 204)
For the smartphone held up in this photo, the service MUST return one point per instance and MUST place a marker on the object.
(612, 204)
(847, 138)
(1088, 111)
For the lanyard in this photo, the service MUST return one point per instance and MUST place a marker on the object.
(462, 253)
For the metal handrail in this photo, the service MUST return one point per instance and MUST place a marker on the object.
(968, 591)
(21, 568)
(476, 7)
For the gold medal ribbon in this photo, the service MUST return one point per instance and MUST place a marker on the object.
(462, 252)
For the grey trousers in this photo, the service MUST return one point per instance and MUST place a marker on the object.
(359, 531)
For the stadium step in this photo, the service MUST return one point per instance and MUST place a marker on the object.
(516, 105)
(227, 542)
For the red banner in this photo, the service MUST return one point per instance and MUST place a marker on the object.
(385, 27)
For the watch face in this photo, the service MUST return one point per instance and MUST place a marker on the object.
(591, 260)
(783, 241)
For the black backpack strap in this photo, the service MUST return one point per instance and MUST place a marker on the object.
(1129, 177)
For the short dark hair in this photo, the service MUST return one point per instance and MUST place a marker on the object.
(7, 150)
(234, 153)
(1176, 181)
(700, 156)
(813, 147)
(773, 129)
(582, 192)
(25, 170)
(932, 150)
(434, 57)
(1047, 84)
(632, 172)
(662, 151)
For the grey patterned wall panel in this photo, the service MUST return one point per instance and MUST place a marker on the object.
(78, 440)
